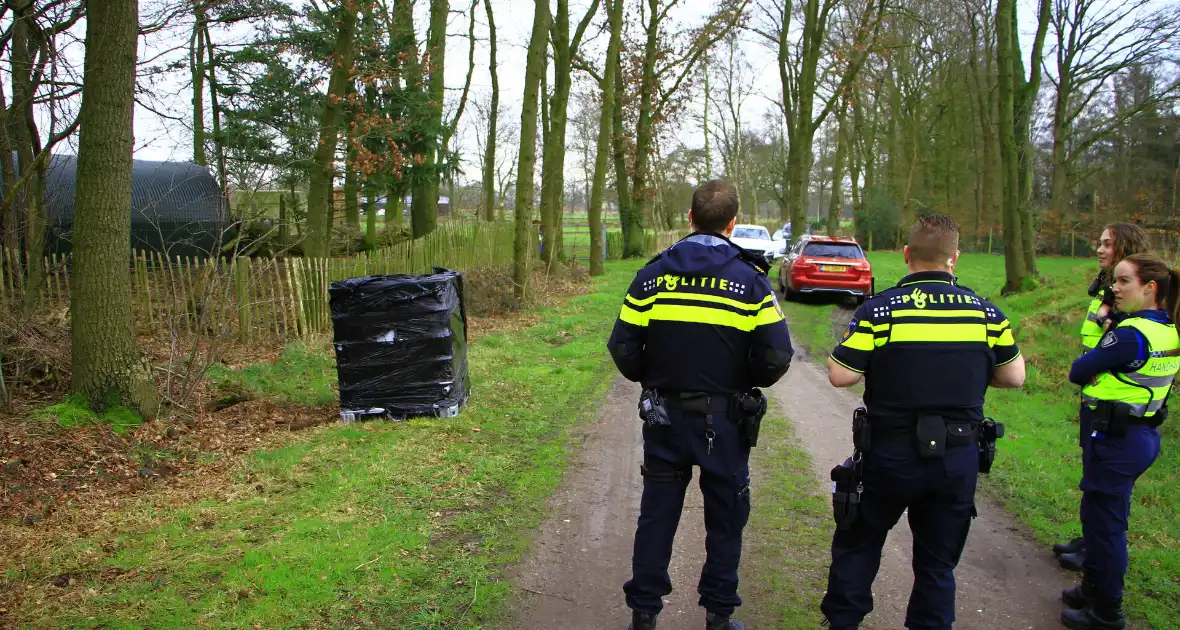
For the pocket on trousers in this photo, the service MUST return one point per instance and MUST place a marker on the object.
(741, 512)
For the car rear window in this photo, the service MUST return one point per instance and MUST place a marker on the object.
(833, 250)
(758, 233)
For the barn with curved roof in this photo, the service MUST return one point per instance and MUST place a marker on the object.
(176, 207)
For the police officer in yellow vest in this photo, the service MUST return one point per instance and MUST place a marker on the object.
(1126, 380)
(1117, 241)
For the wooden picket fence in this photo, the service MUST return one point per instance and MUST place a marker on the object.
(258, 299)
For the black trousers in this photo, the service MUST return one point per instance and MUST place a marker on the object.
(940, 497)
(669, 453)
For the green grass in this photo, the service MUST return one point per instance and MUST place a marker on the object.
(784, 568)
(301, 375)
(1039, 465)
(74, 411)
(400, 525)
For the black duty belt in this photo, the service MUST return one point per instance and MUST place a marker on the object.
(699, 402)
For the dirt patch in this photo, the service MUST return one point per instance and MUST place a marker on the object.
(47, 468)
(492, 310)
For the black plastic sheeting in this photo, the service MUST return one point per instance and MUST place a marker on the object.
(401, 345)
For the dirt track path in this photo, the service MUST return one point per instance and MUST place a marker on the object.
(1004, 580)
(572, 576)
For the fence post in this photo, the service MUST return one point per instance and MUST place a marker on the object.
(242, 290)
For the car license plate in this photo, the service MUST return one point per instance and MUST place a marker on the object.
(834, 268)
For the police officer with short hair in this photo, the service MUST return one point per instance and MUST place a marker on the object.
(927, 350)
(1126, 381)
(699, 328)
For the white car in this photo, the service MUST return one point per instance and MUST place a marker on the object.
(756, 238)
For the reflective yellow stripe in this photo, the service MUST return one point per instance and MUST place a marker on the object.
(938, 332)
(1005, 339)
(699, 297)
(700, 315)
(879, 327)
(859, 341)
(1000, 326)
(632, 316)
(934, 313)
(768, 315)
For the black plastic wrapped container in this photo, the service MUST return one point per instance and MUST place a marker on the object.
(401, 345)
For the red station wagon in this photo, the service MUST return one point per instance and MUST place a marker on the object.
(824, 264)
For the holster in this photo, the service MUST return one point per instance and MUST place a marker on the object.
(749, 409)
(847, 488)
(989, 432)
(861, 431)
(653, 409)
(1113, 418)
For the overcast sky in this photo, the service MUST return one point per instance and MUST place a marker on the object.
(158, 138)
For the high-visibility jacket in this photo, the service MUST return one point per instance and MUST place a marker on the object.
(1146, 388)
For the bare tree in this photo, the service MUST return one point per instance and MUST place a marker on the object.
(1095, 40)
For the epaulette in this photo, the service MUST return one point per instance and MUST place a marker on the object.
(754, 260)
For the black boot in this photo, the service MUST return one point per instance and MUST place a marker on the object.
(642, 621)
(1072, 561)
(1074, 546)
(1080, 596)
(718, 622)
(1089, 619)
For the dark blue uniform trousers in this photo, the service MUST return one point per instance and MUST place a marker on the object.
(940, 497)
(669, 454)
(1110, 467)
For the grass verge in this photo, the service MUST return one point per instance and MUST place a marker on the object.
(784, 570)
(403, 525)
(1039, 464)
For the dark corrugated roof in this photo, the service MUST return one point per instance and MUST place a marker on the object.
(167, 192)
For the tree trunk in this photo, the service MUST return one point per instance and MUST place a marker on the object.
(197, 63)
(25, 140)
(1024, 102)
(352, 211)
(283, 220)
(1014, 263)
(106, 364)
(424, 201)
(631, 225)
(320, 211)
(527, 157)
(705, 120)
(644, 137)
(395, 206)
(1060, 190)
(11, 240)
(489, 155)
(215, 107)
(835, 205)
(371, 215)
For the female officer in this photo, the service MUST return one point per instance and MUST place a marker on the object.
(1126, 380)
(1118, 240)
